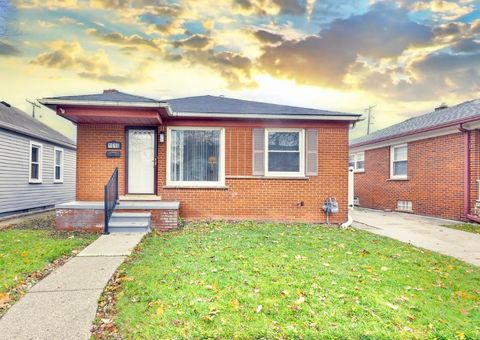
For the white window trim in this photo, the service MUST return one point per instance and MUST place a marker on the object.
(200, 184)
(40, 163)
(55, 149)
(301, 146)
(355, 169)
(392, 153)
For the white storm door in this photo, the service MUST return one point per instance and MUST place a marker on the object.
(141, 161)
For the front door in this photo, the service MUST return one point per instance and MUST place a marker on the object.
(141, 161)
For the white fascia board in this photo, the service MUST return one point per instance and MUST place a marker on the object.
(262, 116)
(406, 139)
(100, 103)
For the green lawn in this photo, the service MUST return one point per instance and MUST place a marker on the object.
(250, 280)
(471, 228)
(24, 251)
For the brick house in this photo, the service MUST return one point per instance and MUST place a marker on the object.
(202, 157)
(426, 165)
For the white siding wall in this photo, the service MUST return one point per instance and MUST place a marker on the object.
(16, 193)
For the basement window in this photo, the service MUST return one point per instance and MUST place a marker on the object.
(404, 205)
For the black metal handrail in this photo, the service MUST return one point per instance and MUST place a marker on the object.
(110, 198)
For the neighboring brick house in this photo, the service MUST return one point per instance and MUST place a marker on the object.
(426, 165)
(213, 157)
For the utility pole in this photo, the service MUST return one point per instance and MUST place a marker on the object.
(34, 105)
(369, 119)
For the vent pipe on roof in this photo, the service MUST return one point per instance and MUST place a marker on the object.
(441, 107)
(110, 91)
(6, 104)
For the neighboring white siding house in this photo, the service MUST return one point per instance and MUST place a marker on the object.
(37, 164)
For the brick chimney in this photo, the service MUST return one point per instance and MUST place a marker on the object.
(110, 91)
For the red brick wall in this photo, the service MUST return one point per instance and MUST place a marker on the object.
(93, 167)
(435, 178)
(93, 219)
(244, 198)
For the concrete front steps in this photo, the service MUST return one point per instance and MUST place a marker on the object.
(130, 222)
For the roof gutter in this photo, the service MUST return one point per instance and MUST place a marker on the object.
(414, 132)
(262, 116)
(46, 101)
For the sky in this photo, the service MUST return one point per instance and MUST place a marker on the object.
(406, 57)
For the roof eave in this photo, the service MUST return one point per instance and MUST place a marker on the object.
(345, 117)
(415, 132)
(52, 103)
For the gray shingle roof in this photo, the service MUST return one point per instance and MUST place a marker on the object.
(18, 121)
(436, 119)
(108, 96)
(214, 104)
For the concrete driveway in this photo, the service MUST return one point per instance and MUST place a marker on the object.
(424, 232)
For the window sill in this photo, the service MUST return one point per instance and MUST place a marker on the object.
(269, 177)
(35, 182)
(358, 171)
(203, 187)
(398, 179)
(404, 211)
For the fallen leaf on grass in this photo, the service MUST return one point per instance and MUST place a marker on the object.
(235, 304)
(259, 309)
(160, 311)
(4, 299)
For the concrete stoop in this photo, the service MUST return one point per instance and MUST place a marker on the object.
(130, 222)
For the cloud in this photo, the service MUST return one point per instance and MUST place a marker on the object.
(196, 41)
(324, 59)
(71, 56)
(446, 10)
(120, 39)
(233, 67)
(8, 50)
(433, 77)
(268, 37)
(466, 45)
(271, 7)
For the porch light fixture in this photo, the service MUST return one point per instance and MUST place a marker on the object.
(161, 137)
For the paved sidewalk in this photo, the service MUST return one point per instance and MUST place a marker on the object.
(424, 232)
(63, 305)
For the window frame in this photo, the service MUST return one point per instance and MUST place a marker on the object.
(221, 170)
(38, 180)
(301, 147)
(55, 149)
(355, 160)
(392, 161)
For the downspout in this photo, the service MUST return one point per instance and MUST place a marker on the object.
(466, 175)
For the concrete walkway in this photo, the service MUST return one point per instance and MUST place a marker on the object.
(63, 305)
(420, 231)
